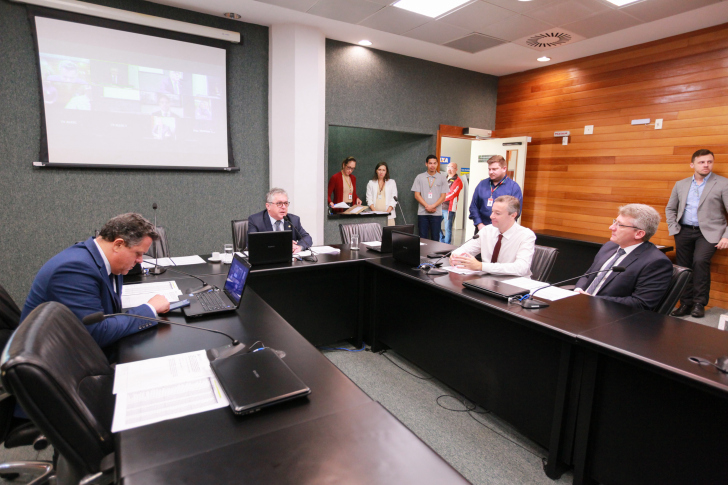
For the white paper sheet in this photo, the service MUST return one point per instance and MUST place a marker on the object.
(552, 293)
(455, 269)
(380, 212)
(161, 371)
(325, 250)
(358, 209)
(341, 205)
(185, 260)
(135, 295)
(373, 244)
(244, 254)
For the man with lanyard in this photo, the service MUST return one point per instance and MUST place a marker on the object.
(489, 189)
(696, 217)
(430, 189)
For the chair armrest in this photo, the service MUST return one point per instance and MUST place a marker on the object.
(107, 474)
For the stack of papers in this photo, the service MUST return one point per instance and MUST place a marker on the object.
(341, 205)
(154, 390)
(325, 250)
(176, 261)
(135, 295)
(552, 293)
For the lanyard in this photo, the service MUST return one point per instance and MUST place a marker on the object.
(493, 189)
(428, 180)
(348, 182)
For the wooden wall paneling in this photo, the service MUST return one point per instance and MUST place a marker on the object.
(578, 188)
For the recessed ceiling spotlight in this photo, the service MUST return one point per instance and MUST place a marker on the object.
(430, 8)
(231, 15)
(543, 59)
(364, 42)
(621, 3)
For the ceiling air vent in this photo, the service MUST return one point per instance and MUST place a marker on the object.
(549, 39)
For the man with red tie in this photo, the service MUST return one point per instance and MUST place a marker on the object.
(504, 246)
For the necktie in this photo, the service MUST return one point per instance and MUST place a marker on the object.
(592, 288)
(278, 225)
(496, 249)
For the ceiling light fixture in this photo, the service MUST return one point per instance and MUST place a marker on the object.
(365, 42)
(543, 59)
(430, 8)
(232, 15)
(622, 3)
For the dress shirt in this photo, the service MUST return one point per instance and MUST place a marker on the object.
(113, 280)
(627, 250)
(479, 210)
(516, 253)
(690, 216)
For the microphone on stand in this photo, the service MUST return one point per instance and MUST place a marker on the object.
(205, 286)
(529, 302)
(213, 354)
(431, 269)
(157, 270)
(313, 258)
(400, 208)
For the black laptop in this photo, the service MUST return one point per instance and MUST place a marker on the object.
(406, 248)
(257, 379)
(270, 247)
(493, 287)
(385, 245)
(225, 300)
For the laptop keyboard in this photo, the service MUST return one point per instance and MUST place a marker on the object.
(211, 301)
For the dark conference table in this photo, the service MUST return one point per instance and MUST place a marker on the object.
(548, 372)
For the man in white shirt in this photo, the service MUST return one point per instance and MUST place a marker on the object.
(504, 246)
(647, 271)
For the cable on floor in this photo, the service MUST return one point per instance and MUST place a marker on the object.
(342, 349)
(505, 437)
(384, 354)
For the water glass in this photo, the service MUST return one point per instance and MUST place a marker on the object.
(228, 256)
(354, 242)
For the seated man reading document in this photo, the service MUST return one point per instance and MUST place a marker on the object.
(87, 278)
(273, 219)
(505, 247)
(647, 271)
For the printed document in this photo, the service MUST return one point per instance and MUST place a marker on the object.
(552, 293)
(135, 295)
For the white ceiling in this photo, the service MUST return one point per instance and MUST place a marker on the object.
(499, 27)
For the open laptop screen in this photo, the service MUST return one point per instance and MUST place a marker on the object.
(235, 283)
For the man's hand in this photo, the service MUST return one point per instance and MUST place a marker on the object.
(480, 226)
(430, 208)
(723, 244)
(579, 290)
(296, 247)
(465, 260)
(160, 304)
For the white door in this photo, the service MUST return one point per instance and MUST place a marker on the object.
(512, 149)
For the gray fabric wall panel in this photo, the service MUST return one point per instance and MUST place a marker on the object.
(369, 88)
(46, 210)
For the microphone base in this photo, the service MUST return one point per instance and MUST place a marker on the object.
(533, 304)
(434, 271)
(157, 270)
(223, 352)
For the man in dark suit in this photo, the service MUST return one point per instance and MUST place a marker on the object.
(87, 278)
(647, 272)
(272, 219)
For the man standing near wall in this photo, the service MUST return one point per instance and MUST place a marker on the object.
(449, 207)
(496, 185)
(696, 217)
(430, 189)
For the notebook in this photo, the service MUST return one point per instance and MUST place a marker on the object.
(270, 247)
(493, 287)
(385, 245)
(225, 300)
(257, 379)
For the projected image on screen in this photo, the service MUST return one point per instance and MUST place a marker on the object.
(120, 98)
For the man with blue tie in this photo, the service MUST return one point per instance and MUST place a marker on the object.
(647, 271)
(273, 218)
(88, 278)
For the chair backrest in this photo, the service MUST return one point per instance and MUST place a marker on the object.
(543, 262)
(162, 244)
(9, 314)
(680, 277)
(64, 383)
(369, 231)
(240, 235)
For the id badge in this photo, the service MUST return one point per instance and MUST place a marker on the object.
(350, 196)
(490, 202)
(380, 196)
(429, 195)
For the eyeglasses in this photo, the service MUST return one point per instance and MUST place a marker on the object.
(614, 221)
(281, 204)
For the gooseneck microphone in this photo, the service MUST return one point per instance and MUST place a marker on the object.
(528, 302)
(400, 208)
(205, 286)
(212, 354)
(431, 269)
(157, 270)
(313, 258)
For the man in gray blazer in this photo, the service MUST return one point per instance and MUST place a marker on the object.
(696, 216)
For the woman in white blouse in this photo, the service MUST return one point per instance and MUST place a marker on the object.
(381, 191)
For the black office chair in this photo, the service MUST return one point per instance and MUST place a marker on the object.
(162, 244)
(64, 383)
(15, 431)
(369, 231)
(543, 262)
(240, 235)
(680, 278)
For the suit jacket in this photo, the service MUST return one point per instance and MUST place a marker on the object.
(77, 278)
(260, 222)
(643, 283)
(712, 207)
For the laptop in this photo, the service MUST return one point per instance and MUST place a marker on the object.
(385, 245)
(225, 300)
(257, 379)
(493, 287)
(406, 248)
(270, 247)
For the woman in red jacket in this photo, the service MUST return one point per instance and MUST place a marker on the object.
(342, 185)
